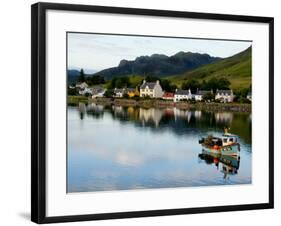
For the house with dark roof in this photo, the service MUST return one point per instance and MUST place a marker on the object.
(181, 94)
(81, 85)
(224, 96)
(198, 96)
(98, 92)
(119, 92)
(151, 89)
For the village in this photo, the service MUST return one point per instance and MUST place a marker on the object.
(154, 90)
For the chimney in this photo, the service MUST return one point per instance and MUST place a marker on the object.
(143, 81)
(157, 82)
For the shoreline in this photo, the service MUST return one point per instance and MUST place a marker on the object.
(157, 103)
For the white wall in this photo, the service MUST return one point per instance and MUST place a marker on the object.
(15, 111)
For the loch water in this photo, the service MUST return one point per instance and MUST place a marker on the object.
(121, 148)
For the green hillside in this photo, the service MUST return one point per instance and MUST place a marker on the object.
(237, 69)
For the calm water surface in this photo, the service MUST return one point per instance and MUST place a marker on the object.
(121, 148)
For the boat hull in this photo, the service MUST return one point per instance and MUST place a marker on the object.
(230, 150)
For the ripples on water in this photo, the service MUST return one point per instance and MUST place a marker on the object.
(121, 148)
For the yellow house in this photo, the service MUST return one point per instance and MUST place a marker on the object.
(132, 92)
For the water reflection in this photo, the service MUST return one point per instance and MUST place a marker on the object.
(180, 121)
(117, 148)
(228, 165)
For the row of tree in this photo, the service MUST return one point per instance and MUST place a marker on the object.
(90, 80)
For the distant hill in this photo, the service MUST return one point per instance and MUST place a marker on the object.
(237, 69)
(72, 75)
(159, 65)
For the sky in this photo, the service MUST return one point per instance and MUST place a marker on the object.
(95, 52)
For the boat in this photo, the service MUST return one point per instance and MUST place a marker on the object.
(227, 144)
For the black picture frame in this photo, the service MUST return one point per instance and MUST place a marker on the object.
(38, 111)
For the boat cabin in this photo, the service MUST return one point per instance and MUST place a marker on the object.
(228, 139)
(225, 140)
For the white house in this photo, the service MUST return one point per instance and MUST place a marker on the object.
(98, 92)
(151, 89)
(224, 96)
(85, 91)
(82, 85)
(182, 95)
(198, 96)
(119, 92)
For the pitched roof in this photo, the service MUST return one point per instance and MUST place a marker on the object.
(130, 89)
(224, 92)
(117, 90)
(182, 92)
(149, 84)
(97, 90)
(202, 92)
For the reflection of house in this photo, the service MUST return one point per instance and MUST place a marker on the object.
(249, 96)
(185, 114)
(98, 92)
(168, 96)
(197, 114)
(224, 96)
(118, 110)
(198, 96)
(96, 108)
(119, 92)
(182, 95)
(224, 117)
(151, 89)
(151, 114)
(132, 92)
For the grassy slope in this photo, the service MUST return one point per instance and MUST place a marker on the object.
(135, 80)
(237, 69)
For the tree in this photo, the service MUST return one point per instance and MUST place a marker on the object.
(81, 77)
(108, 93)
(120, 82)
(151, 78)
(192, 84)
(167, 86)
(72, 91)
(216, 83)
(126, 95)
(208, 96)
(96, 79)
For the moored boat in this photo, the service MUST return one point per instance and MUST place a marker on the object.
(227, 144)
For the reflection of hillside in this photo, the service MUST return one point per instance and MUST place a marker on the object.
(179, 121)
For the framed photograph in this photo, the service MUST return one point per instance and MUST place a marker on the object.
(141, 112)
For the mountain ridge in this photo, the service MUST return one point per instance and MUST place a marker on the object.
(158, 65)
